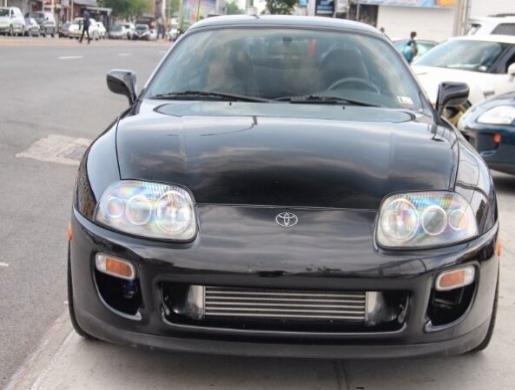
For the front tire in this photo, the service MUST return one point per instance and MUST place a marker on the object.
(71, 308)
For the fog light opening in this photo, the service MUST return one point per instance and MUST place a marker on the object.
(457, 278)
(115, 267)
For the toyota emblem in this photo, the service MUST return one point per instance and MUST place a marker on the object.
(286, 219)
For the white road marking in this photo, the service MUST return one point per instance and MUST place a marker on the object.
(124, 54)
(58, 149)
(4, 265)
(70, 57)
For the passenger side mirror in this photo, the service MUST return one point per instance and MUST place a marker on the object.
(451, 94)
(122, 82)
(511, 71)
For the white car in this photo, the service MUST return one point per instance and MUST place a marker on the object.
(75, 30)
(12, 21)
(485, 62)
(102, 30)
(498, 25)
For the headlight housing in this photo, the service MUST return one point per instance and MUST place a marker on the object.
(145, 209)
(500, 115)
(425, 219)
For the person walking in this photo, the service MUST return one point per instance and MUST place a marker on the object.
(410, 51)
(85, 25)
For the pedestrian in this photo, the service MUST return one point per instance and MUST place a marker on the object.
(410, 51)
(85, 25)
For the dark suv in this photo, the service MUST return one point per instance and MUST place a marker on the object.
(46, 21)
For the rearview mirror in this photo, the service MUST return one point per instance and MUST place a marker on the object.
(122, 82)
(451, 94)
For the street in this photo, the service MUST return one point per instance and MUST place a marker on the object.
(53, 94)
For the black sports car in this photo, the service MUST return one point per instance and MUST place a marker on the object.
(283, 187)
(490, 127)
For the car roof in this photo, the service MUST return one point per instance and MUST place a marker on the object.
(488, 38)
(285, 21)
(494, 19)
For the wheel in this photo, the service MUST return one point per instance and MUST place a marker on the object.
(11, 31)
(71, 308)
(53, 34)
(491, 326)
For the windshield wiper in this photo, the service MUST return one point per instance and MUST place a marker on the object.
(199, 95)
(324, 99)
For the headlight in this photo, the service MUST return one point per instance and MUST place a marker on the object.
(500, 115)
(148, 209)
(425, 219)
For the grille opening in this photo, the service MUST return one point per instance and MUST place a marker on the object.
(448, 306)
(283, 310)
(121, 295)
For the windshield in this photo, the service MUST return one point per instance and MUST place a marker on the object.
(475, 56)
(281, 64)
(37, 15)
(4, 12)
(141, 27)
(117, 28)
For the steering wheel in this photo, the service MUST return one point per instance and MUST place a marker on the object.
(357, 80)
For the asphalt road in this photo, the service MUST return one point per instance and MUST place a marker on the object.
(47, 86)
(57, 87)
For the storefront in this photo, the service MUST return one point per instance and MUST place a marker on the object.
(431, 19)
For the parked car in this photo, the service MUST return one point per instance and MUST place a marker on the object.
(485, 62)
(490, 127)
(75, 29)
(102, 32)
(501, 25)
(320, 208)
(423, 46)
(119, 32)
(32, 28)
(12, 21)
(173, 32)
(46, 21)
(131, 30)
(64, 30)
(142, 32)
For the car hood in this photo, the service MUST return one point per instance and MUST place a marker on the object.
(430, 77)
(316, 156)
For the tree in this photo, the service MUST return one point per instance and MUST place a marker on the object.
(232, 8)
(280, 7)
(127, 8)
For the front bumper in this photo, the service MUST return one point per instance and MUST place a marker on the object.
(498, 156)
(203, 262)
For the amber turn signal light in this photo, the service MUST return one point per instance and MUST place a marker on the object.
(497, 138)
(115, 267)
(456, 278)
(69, 232)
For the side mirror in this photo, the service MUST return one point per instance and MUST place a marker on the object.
(122, 82)
(511, 71)
(451, 94)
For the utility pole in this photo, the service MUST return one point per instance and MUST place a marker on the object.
(358, 6)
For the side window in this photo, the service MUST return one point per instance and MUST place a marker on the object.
(504, 29)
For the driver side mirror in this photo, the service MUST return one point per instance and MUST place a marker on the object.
(511, 71)
(122, 82)
(451, 94)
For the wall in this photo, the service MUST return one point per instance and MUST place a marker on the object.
(433, 24)
(479, 8)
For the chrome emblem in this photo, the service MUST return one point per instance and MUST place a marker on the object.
(286, 219)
